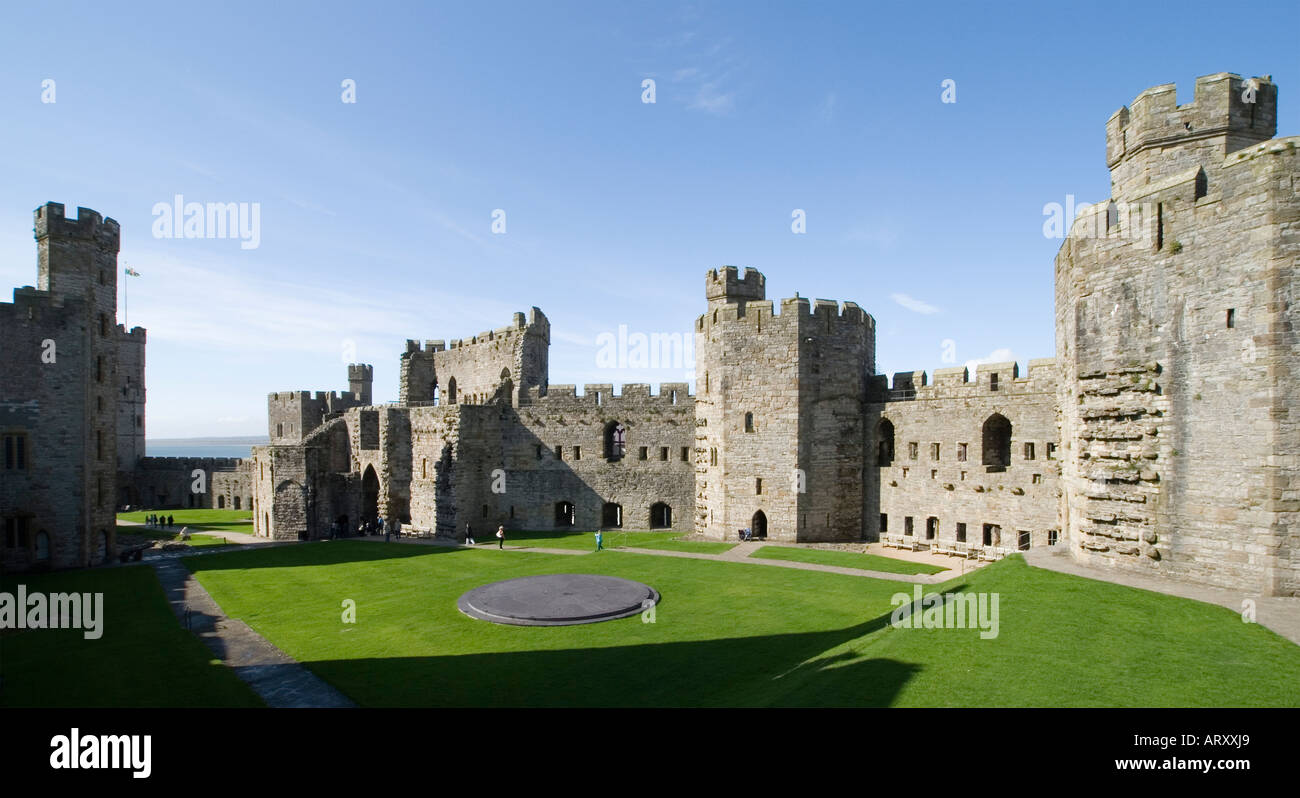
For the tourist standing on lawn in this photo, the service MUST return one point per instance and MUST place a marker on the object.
(599, 547)
(501, 537)
(469, 535)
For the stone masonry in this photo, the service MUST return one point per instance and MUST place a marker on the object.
(1160, 439)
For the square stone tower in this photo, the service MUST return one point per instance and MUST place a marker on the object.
(780, 440)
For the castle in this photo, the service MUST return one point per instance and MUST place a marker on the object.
(1158, 440)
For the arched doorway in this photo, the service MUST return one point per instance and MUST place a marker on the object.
(369, 495)
(661, 516)
(451, 391)
(758, 525)
(564, 514)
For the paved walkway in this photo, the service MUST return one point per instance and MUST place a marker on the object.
(279, 679)
(1281, 614)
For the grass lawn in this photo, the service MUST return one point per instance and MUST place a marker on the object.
(845, 559)
(579, 541)
(173, 536)
(209, 520)
(692, 546)
(143, 659)
(738, 634)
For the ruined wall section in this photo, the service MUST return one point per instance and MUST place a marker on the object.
(294, 415)
(556, 448)
(1019, 499)
(490, 367)
(1175, 337)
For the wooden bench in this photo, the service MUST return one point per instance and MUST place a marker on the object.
(953, 548)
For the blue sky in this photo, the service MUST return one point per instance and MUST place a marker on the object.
(375, 216)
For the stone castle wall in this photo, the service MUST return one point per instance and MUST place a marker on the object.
(933, 464)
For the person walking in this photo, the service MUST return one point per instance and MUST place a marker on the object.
(469, 535)
(501, 537)
(599, 540)
(397, 528)
(170, 521)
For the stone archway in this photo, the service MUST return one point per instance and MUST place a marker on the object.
(369, 495)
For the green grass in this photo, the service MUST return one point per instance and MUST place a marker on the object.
(738, 634)
(578, 541)
(173, 536)
(845, 559)
(692, 546)
(209, 520)
(143, 659)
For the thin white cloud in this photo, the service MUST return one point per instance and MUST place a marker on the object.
(1002, 355)
(914, 305)
(710, 99)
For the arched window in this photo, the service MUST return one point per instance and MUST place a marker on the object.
(615, 440)
(749, 422)
(451, 391)
(238, 503)
(885, 442)
(611, 516)
(433, 392)
(997, 442)
(661, 516)
(758, 525)
(221, 502)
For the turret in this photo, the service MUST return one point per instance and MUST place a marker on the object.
(360, 379)
(1155, 137)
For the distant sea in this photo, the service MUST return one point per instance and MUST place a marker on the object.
(203, 447)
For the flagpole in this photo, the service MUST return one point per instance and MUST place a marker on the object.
(126, 302)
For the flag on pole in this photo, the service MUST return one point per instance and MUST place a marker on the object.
(132, 272)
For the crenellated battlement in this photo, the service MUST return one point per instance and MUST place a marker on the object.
(1003, 378)
(671, 394)
(1155, 137)
(839, 316)
(535, 323)
(88, 226)
(726, 285)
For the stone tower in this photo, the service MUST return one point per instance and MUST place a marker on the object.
(779, 412)
(1176, 339)
(361, 376)
(77, 263)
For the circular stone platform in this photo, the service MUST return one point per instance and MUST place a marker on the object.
(557, 600)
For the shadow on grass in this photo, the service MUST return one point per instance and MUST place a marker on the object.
(320, 552)
(768, 670)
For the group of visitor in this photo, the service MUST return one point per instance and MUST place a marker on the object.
(160, 521)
